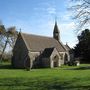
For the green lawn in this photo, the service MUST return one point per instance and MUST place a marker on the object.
(63, 78)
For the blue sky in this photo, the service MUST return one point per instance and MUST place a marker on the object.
(38, 17)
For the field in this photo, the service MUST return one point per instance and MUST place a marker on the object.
(62, 78)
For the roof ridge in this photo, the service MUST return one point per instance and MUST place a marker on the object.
(39, 43)
(38, 35)
(24, 41)
(62, 45)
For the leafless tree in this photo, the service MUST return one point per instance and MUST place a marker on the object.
(81, 12)
(8, 37)
(2, 31)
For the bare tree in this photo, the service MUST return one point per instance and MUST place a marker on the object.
(2, 31)
(9, 37)
(12, 35)
(81, 12)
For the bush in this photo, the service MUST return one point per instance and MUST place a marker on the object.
(73, 63)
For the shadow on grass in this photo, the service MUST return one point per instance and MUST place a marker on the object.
(10, 67)
(6, 66)
(37, 84)
(83, 68)
(79, 68)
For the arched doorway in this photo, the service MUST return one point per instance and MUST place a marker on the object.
(56, 61)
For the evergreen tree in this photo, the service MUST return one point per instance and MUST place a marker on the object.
(82, 49)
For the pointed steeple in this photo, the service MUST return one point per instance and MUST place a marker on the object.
(56, 32)
(56, 27)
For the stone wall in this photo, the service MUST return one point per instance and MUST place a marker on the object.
(20, 53)
(35, 59)
(45, 62)
(62, 54)
(53, 59)
(64, 58)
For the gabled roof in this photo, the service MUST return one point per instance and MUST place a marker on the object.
(39, 43)
(67, 47)
(47, 52)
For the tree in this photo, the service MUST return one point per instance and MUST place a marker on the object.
(12, 34)
(81, 12)
(8, 37)
(2, 31)
(82, 49)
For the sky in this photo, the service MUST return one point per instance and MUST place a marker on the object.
(38, 17)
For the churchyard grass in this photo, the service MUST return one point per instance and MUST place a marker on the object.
(62, 78)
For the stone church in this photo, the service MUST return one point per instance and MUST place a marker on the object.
(34, 51)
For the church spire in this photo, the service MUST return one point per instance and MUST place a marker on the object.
(56, 32)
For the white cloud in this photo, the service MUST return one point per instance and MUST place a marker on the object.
(51, 10)
(47, 8)
(67, 26)
(72, 43)
(67, 33)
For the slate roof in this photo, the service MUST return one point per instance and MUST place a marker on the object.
(47, 52)
(39, 43)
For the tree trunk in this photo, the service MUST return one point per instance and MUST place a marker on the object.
(4, 49)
